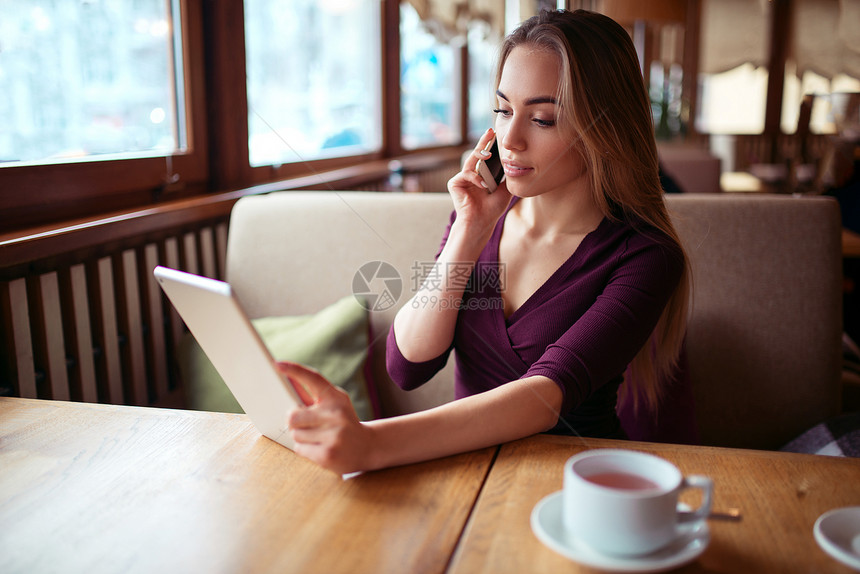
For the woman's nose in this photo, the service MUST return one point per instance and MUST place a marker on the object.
(511, 137)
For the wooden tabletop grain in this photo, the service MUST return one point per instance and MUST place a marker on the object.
(101, 488)
(780, 496)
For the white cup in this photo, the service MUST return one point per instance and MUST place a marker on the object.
(624, 502)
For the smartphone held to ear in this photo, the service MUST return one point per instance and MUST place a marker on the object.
(491, 169)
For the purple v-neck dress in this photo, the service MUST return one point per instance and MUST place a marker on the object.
(581, 328)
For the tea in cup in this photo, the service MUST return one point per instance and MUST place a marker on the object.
(624, 502)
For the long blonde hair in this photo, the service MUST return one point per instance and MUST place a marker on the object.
(607, 114)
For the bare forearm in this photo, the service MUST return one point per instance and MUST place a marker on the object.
(515, 410)
(424, 326)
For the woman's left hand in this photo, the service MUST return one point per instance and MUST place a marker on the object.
(327, 430)
(476, 207)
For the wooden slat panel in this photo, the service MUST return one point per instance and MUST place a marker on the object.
(190, 260)
(177, 327)
(154, 312)
(434, 181)
(207, 253)
(21, 340)
(38, 336)
(7, 359)
(221, 247)
(54, 341)
(20, 249)
(129, 315)
(70, 335)
(171, 252)
(109, 366)
(78, 331)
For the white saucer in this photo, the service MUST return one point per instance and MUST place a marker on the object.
(838, 534)
(547, 525)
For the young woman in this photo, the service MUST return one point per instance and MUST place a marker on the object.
(592, 278)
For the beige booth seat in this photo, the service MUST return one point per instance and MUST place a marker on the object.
(764, 335)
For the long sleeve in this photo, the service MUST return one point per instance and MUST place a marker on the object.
(580, 329)
(406, 374)
(600, 344)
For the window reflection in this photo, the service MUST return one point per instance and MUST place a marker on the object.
(733, 102)
(483, 53)
(824, 59)
(822, 120)
(733, 66)
(83, 79)
(313, 79)
(429, 85)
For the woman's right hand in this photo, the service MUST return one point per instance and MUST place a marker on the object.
(477, 208)
(326, 430)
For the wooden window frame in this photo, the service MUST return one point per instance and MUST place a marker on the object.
(230, 165)
(46, 193)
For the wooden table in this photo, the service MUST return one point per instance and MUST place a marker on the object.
(99, 488)
(780, 496)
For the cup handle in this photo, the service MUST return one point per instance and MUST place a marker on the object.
(706, 485)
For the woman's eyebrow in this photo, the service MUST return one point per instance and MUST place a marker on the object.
(531, 101)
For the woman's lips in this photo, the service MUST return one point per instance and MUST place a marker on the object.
(513, 169)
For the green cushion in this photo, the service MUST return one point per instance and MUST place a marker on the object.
(334, 341)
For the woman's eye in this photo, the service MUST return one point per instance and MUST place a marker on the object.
(540, 122)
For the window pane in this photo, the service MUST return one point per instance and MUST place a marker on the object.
(667, 105)
(822, 120)
(84, 79)
(313, 79)
(428, 83)
(733, 102)
(823, 60)
(667, 81)
(483, 53)
(733, 66)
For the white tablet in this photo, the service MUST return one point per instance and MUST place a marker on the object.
(214, 316)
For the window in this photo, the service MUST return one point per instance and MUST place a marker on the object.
(733, 73)
(733, 102)
(82, 80)
(824, 60)
(666, 79)
(667, 105)
(99, 111)
(313, 79)
(429, 83)
(824, 116)
(483, 55)
(113, 106)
